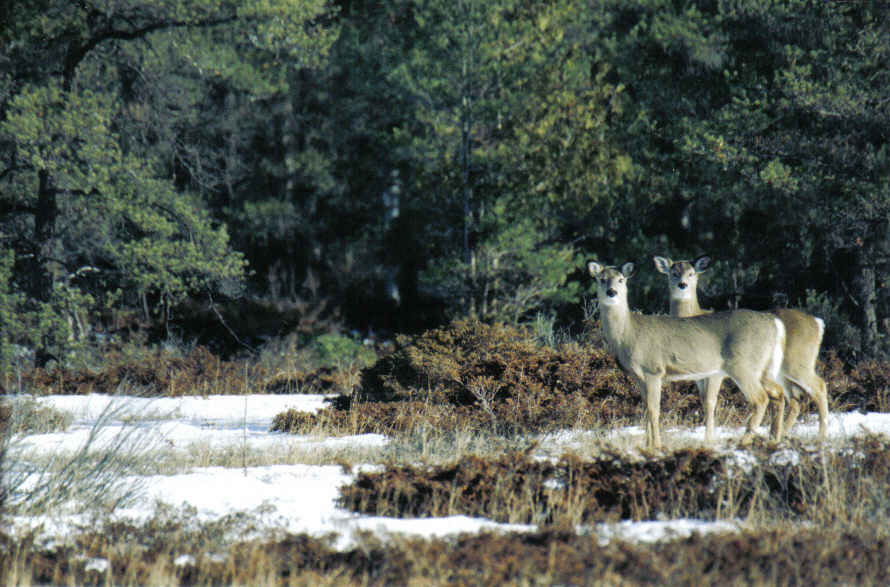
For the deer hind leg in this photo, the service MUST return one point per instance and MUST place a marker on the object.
(756, 393)
(794, 403)
(760, 401)
(818, 390)
(777, 428)
(793, 413)
(815, 387)
(777, 393)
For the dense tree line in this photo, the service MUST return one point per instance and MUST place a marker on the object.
(398, 162)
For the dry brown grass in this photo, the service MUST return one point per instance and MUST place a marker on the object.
(840, 489)
(516, 488)
(163, 372)
(783, 555)
(156, 371)
(23, 415)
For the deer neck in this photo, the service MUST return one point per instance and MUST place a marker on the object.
(617, 324)
(685, 307)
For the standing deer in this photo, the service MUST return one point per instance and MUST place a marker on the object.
(683, 278)
(803, 337)
(744, 345)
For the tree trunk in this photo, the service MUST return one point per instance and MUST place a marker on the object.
(44, 239)
(864, 291)
(44, 266)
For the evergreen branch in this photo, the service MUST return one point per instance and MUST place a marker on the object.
(77, 53)
(12, 169)
(13, 207)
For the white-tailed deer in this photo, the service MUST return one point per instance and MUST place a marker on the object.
(744, 345)
(803, 337)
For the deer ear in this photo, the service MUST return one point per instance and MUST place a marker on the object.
(594, 268)
(701, 263)
(627, 270)
(663, 264)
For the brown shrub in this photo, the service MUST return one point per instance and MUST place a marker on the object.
(156, 372)
(200, 372)
(394, 418)
(474, 374)
(784, 555)
(507, 381)
(321, 380)
(869, 390)
(516, 488)
(500, 371)
(842, 490)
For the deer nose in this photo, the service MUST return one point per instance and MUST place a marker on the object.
(611, 292)
(681, 285)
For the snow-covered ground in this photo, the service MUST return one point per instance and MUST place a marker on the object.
(300, 498)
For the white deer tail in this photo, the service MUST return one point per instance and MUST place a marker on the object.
(774, 368)
(821, 325)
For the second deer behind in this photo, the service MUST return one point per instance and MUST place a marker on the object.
(803, 338)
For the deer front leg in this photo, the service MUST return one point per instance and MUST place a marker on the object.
(711, 390)
(822, 405)
(652, 384)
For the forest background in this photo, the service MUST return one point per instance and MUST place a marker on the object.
(223, 171)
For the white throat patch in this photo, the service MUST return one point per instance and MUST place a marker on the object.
(681, 294)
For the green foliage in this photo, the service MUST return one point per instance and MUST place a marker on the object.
(116, 211)
(510, 275)
(510, 133)
(759, 132)
(64, 134)
(381, 154)
(338, 351)
(172, 245)
(107, 175)
(10, 304)
(55, 326)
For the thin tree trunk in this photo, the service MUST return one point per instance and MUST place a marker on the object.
(44, 237)
(864, 289)
(44, 265)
